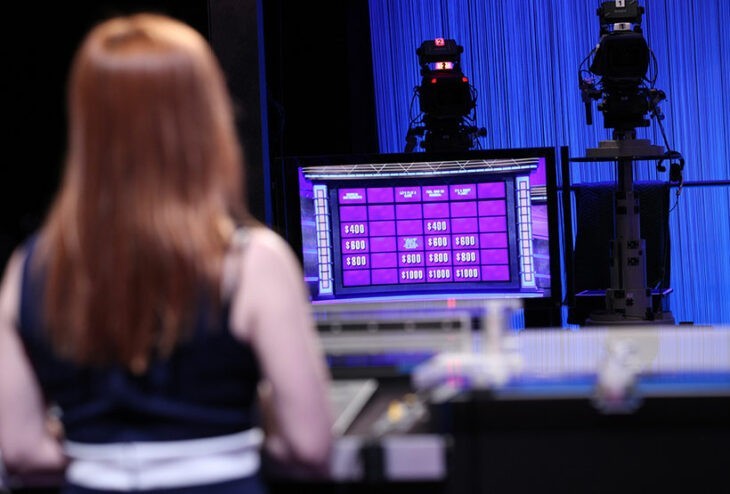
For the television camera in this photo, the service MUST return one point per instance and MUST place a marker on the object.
(446, 120)
(622, 75)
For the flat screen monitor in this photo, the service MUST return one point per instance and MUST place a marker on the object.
(420, 226)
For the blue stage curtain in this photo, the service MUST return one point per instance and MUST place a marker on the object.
(523, 58)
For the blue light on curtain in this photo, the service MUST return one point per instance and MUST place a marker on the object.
(523, 57)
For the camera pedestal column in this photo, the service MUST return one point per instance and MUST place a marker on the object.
(628, 296)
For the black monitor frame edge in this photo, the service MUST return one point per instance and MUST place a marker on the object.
(539, 312)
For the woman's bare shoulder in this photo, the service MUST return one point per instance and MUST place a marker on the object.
(264, 245)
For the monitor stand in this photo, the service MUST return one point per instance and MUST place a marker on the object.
(629, 301)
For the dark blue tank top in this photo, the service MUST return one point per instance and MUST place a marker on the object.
(205, 388)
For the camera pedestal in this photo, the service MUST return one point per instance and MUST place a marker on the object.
(628, 300)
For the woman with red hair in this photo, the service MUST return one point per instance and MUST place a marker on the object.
(150, 313)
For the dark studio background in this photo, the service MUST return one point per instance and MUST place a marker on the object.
(319, 88)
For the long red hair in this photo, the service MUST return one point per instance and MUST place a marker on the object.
(151, 192)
